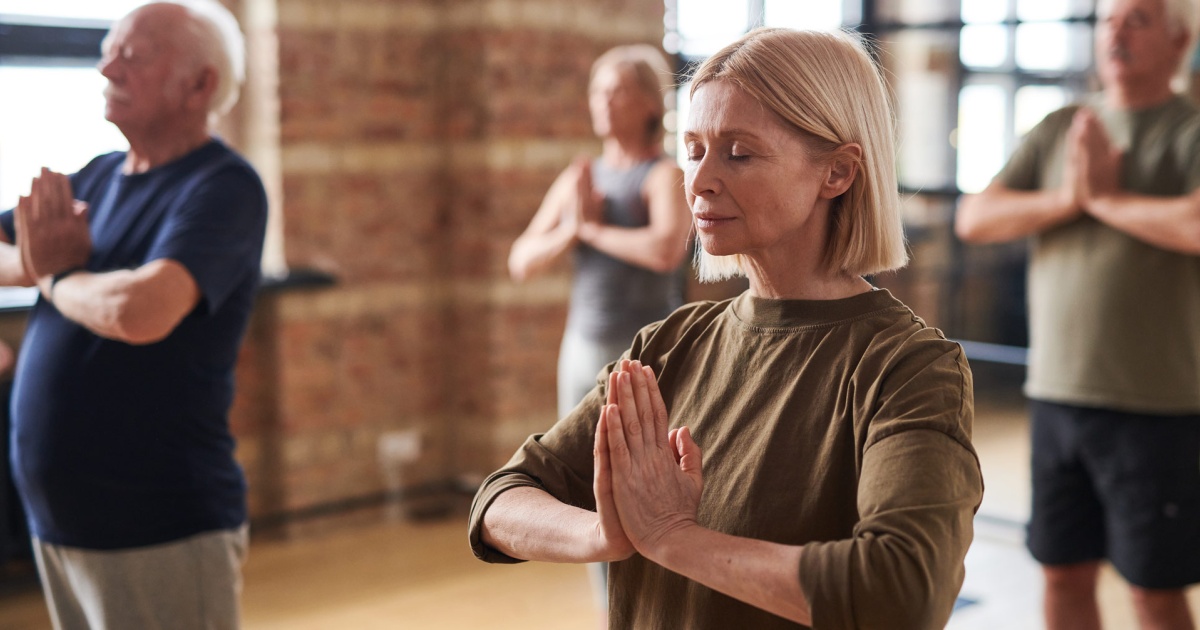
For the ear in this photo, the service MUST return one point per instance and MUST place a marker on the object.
(201, 87)
(842, 168)
(1181, 44)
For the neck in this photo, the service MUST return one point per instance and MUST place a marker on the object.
(804, 277)
(1137, 97)
(813, 286)
(147, 151)
(625, 153)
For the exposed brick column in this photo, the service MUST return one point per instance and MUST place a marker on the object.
(415, 140)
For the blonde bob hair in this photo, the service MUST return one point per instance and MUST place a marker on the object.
(648, 69)
(826, 87)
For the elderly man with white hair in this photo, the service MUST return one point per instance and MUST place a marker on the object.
(147, 263)
(1110, 192)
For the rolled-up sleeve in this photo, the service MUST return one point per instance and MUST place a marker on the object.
(559, 462)
(903, 567)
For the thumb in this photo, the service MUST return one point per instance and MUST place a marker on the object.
(81, 208)
(690, 460)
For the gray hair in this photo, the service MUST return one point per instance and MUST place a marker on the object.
(213, 38)
(1180, 16)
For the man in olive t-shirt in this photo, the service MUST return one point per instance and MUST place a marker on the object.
(1109, 191)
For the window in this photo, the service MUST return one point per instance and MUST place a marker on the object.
(61, 129)
(969, 78)
(1021, 59)
(102, 11)
(48, 50)
(698, 28)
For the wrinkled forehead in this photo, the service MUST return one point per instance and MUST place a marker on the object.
(720, 105)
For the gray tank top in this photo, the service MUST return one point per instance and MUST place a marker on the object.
(611, 299)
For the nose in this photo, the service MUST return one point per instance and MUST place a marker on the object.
(701, 178)
(108, 65)
(1118, 29)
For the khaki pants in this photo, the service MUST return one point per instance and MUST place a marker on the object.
(193, 583)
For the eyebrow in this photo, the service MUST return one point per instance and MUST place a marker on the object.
(735, 132)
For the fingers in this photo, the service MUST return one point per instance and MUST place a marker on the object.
(602, 469)
(658, 406)
(690, 458)
(62, 200)
(611, 394)
(643, 411)
(21, 227)
(52, 196)
(627, 405)
(618, 447)
(652, 434)
(35, 197)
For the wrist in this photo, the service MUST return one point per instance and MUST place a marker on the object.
(586, 231)
(1099, 204)
(50, 282)
(674, 543)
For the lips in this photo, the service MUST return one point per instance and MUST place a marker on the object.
(709, 220)
(115, 96)
(1119, 54)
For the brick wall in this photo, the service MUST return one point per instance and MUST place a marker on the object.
(412, 142)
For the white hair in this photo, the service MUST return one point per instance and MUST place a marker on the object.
(213, 38)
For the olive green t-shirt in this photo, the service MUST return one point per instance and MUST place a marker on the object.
(1114, 321)
(840, 425)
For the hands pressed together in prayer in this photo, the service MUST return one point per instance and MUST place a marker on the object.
(586, 209)
(1093, 164)
(51, 228)
(647, 478)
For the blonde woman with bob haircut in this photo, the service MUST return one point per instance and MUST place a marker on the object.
(799, 455)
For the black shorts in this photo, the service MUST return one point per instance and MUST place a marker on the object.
(1120, 486)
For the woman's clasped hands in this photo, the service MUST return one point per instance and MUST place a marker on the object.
(648, 477)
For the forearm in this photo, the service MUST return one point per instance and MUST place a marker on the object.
(96, 301)
(1000, 214)
(529, 524)
(1171, 223)
(534, 253)
(12, 269)
(760, 573)
(136, 306)
(645, 247)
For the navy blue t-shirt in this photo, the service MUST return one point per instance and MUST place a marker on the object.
(117, 445)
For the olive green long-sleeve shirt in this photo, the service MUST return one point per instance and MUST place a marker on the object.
(840, 425)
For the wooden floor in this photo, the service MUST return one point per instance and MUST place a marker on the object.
(370, 571)
(376, 575)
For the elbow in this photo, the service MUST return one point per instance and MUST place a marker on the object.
(518, 271)
(667, 259)
(1193, 239)
(912, 607)
(911, 586)
(131, 325)
(966, 228)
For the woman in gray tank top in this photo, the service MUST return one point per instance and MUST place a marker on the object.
(623, 219)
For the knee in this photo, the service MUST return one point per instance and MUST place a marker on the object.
(1071, 577)
(1157, 598)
